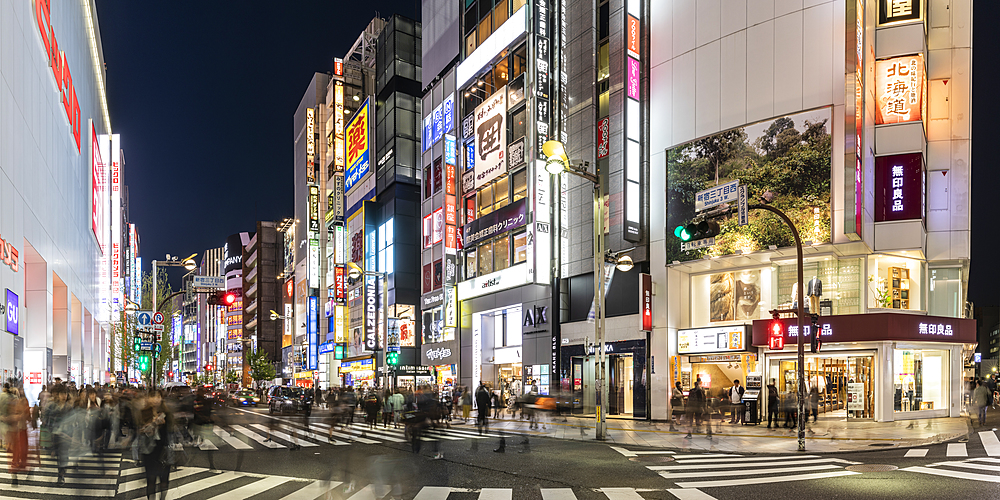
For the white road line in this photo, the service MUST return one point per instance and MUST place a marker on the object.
(990, 443)
(432, 493)
(314, 490)
(303, 442)
(704, 455)
(63, 491)
(231, 440)
(366, 493)
(659, 452)
(558, 494)
(437, 434)
(690, 494)
(954, 474)
(968, 465)
(728, 466)
(207, 445)
(378, 433)
(744, 459)
(621, 494)
(957, 450)
(751, 472)
(69, 480)
(256, 437)
(255, 488)
(359, 439)
(496, 493)
(990, 460)
(765, 480)
(322, 439)
(623, 451)
(916, 453)
(141, 482)
(203, 484)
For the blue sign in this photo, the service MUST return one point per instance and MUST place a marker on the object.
(439, 122)
(11, 306)
(312, 331)
(448, 110)
(425, 139)
(716, 195)
(144, 317)
(450, 150)
(470, 155)
(326, 347)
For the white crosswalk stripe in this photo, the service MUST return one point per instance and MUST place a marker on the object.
(973, 469)
(223, 485)
(957, 450)
(916, 453)
(86, 477)
(738, 470)
(990, 443)
(981, 443)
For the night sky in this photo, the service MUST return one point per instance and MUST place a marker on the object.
(204, 97)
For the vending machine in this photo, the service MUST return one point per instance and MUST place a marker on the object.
(751, 399)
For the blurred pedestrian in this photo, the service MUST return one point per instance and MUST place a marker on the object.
(386, 408)
(155, 422)
(773, 404)
(813, 403)
(466, 400)
(696, 409)
(17, 415)
(981, 401)
(396, 402)
(5, 401)
(676, 406)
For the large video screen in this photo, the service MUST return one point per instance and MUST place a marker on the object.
(789, 156)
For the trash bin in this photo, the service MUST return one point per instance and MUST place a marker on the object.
(751, 403)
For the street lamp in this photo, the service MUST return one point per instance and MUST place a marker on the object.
(187, 263)
(557, 162)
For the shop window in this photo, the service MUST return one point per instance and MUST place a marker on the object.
(470, 264)
(894, 283)
(841, 278)
(920, 377)
(501, 253)
(438, 275)
(485, 252)
(385, 247)
(520, 247)
(945, 293)
(438, 176)
(433, 326)
(506, 326)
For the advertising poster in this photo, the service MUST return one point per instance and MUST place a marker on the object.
(358, 146)
(791, 152)
(899, 89)
(735, 296)
(491, 138)
(856, 396)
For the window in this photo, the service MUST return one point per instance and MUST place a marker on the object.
(438, 177)
(501, 192)
(945, 292)
(428, 278)
(501, 253)
(437, 233)
(520, 247)
(496, 194)
(920, 377)
(438, 275)
(470, 43)
(427, 182)
(485, 252)
(518, 61)
(500, 13)
(385, 247)
(603, 66)
(485, 29)
(470, 263)
(428, 231)
(517, 124)
(520, 185)
(485, 196)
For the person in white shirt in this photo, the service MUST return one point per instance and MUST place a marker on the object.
(736, 398)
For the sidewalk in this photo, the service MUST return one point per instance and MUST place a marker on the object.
(829, 435)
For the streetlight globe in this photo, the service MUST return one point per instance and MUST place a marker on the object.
(554, 166)
(624, 263)
(190, 264)
(274, 316)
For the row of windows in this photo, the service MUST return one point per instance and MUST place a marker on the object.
(483, 17)
(496, 254)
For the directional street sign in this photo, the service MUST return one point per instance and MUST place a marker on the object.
(157, 318)
(214, 282)
(696, 244)
(716, 195)
(149, 328)
(144, 317)
(742, 206)
(146, 346)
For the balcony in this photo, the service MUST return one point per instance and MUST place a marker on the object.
(252, 275)
(252, 291)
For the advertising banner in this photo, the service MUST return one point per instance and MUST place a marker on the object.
(338, 128)
(491, 137)
(358, 146)
(899, 187)
(899, 89)
(505, 219)
(709, 340)
(312, 331)
(646, 301)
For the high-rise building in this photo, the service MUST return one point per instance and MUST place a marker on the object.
(263, 260)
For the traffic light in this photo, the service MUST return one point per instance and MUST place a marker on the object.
(392, 358)
(136, 343)
(775, 335)
(815, 344)
(222, 298)
(697, 230)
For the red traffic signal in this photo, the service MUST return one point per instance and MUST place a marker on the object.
(775, 335)
(228, 299)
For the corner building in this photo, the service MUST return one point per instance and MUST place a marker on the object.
(856, 115)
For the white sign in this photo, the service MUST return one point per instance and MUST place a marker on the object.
(216, 282)
(439, 353)
(716, 195)
(855, 396)
(491, 138)
(708, 340)
(157, 318)
(493, 282)
(696, 244)
(743, 205)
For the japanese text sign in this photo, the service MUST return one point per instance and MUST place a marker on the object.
(899, 88)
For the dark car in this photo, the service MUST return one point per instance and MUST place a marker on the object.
(245, 397)
(287, 399)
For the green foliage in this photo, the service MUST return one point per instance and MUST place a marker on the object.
(260, 368)
(232, 378)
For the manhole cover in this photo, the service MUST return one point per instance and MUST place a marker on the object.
(871, 468)
(880, 444)
(651, 459)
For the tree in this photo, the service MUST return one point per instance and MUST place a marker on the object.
(260, 368)
(720, 148)
(232, 378)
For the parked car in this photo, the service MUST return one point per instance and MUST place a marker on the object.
(288, 399)
(245, 397)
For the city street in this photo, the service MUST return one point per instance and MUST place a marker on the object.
(368, 464)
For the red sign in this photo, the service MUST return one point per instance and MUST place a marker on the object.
(603, 137)
(34, 377)
(60, 68)
(289, 289)
(873, 328)
(633, 36)
(338, 66)
(449, 179)
(646, 301)
(340, 288)
(96, 188)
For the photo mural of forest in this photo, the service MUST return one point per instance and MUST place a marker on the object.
(789, 156)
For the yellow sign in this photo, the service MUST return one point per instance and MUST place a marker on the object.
(308, 374)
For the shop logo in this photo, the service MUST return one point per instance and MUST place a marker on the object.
(491, 282)
(536, 316)
(439, 353)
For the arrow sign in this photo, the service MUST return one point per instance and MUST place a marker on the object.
(144, 317)
(157, 318)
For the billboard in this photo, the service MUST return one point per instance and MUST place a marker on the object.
(358, 146)
(899, 187)
(312, 326)
(338, 126)
(899, 89)
(789, 156)
(491, 138)
(117, 292)
(97, 200)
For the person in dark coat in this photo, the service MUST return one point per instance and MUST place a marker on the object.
(696, 408)
(773, 404)
(483, 403)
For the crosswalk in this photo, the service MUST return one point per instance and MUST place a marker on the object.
(973, 469)
(86, 477)
(987, 444)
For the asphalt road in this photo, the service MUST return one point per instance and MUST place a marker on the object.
(361, 465)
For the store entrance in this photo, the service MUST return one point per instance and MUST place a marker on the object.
(844, 385)
(621, 383)
(509, 382)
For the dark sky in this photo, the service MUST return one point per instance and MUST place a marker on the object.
(203, 98)
(203, 95)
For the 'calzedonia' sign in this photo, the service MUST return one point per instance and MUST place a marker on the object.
(60, 68)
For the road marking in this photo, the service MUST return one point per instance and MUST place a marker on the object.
(764, 480)
(623, 451)
(315, 489)
(322, 439)
(496, 493)
(256, 437)
(957, 450)
(728, 466)
(690, 494)
(990, 443)
(284, 436)
(141, 482)
(433, 493)
(990, 460)
(621, 494)
(231, 440)
(557, 494)
(706, 455)
(203, 484)
(916, 453)
(679, 475)
(255, 488)
(954, 474)
(346, 435)
(207, 445)
(65, 490)
(968, 465)
(34, 476)
(744, 459)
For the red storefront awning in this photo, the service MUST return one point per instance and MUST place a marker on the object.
(875, 327)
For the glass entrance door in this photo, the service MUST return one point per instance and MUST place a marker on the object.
(861, 387)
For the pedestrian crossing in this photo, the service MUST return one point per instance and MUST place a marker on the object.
(973, 469)
(987, 444)
(85, 477)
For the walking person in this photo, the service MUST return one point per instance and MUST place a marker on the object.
(396, 403)
(813, 403)
(981, 401)
(16, 418)
(154, 444)
(696, 408)
(386, 408)
(466, 400)
(676, 406)
(773, 404)
(736, 399)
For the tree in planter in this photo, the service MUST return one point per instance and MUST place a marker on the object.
(260, 367)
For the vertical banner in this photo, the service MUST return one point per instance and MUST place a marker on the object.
(312, 330)
(115, 220)
(310, 145)
(338, 128)
(854, 126)
(646, 301)
(540, 235)
(543, 64)
(491, 138)
(632, 196)
(450, 198)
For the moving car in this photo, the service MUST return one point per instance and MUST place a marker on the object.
(244, 397)
(288, 399)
